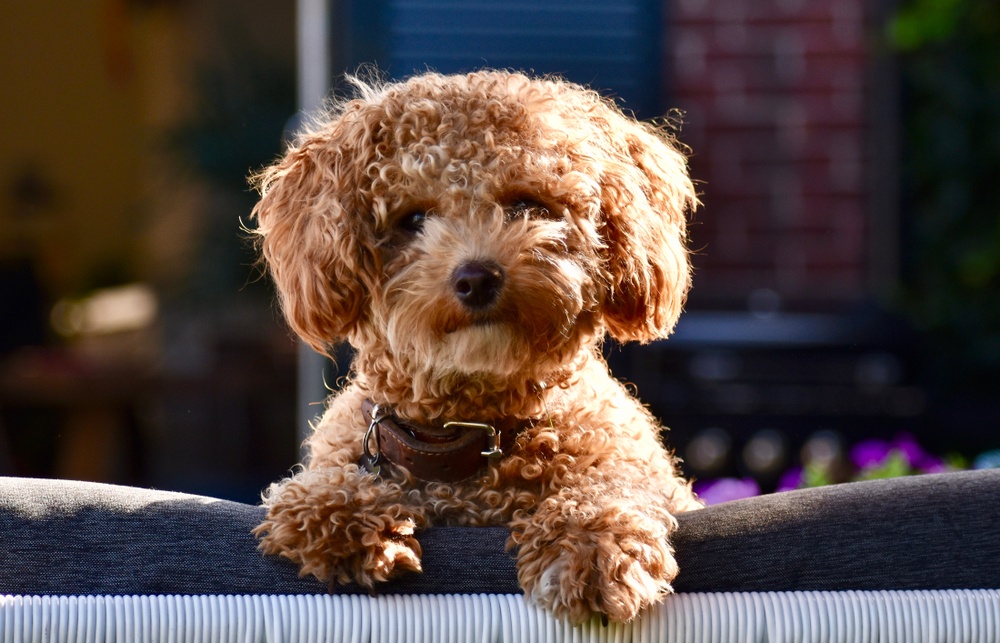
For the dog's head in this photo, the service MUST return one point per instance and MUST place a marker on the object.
(486, 223)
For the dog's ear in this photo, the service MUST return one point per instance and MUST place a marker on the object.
(646, 194)
(313, 242)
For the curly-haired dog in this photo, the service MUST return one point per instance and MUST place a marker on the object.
(473, 238)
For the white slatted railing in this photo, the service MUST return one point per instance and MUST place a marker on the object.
(779, 617)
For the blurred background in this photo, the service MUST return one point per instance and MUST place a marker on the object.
(847, 288)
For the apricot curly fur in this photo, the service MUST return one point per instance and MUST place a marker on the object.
(581, 210)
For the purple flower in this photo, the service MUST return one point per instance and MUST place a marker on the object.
(933, 465)
(791, 480)
(914, 455)
(870, 453)
(712, 492)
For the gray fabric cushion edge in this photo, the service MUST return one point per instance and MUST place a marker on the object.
(925, 532)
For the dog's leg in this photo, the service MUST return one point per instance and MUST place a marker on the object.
(587, 550)
(342, 525)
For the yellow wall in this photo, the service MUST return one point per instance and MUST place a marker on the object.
(91, 91)
(68, 114)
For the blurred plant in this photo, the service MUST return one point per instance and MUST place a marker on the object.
(922, 22)
(867, 460)
(875, 459)
(950, 65)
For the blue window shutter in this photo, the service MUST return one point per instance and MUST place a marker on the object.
(610, 45)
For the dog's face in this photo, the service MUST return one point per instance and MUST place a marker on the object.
(490, 253)
(481, 224)
(486, 284)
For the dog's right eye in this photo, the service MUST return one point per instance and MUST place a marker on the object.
(526, 206)
(413, 222)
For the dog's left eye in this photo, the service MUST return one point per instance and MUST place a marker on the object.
(412, 222)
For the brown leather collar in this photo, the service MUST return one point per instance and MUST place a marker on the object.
(449, 453)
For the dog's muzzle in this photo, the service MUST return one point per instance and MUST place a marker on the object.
(449, 453)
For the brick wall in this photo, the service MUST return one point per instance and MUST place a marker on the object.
(775, 100)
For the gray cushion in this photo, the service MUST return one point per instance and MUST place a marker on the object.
(935, 531)
(924, 532)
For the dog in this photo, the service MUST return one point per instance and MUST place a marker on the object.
(474, 238)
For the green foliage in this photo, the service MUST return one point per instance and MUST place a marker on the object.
(923, 22)
(950, 62)
(816, 474)
(895, 465)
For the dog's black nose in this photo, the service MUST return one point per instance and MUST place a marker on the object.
(477, 284)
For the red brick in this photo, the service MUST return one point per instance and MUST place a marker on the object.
(774, 92)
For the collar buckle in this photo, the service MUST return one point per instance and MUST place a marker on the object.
(370, 460)
(493, 449)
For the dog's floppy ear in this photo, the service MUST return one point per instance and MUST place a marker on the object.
(315, 245)
(646, 194)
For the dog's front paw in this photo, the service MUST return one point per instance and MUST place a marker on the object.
(334, 535)
(613, 565)
(387, 551)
